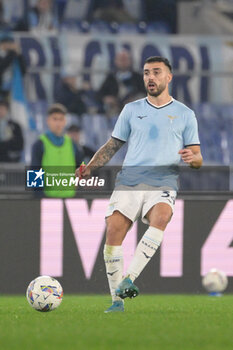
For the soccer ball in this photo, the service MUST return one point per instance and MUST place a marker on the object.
(44, 293)
(215, 281)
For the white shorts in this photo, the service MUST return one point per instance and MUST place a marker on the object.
(139, 199)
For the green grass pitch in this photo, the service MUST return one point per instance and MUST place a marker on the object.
(166, 322)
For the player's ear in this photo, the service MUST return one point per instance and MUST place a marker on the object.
(169, 77)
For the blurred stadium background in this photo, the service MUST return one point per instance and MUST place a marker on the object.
(75, 42)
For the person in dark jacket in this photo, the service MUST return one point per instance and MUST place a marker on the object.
(41, 17)
(124, 83)
(11, 137)
(68, 94)
(9, 53)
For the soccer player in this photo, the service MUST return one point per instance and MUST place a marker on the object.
(159, 131)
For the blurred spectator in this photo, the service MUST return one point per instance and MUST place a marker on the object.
(124, 83)
(68, 94)
(110, 11)
(9, 53)
(54, 149)
(79, 98)
(78, 9)
(41, 17)
(102, 10)
(12, 11)
(56, 121)
(75, 132)
(11, 138)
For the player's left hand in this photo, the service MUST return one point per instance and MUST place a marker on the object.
(187, 155)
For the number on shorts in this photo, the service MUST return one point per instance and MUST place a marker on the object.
(165, 194)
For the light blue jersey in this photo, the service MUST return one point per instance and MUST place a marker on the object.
(154, 135)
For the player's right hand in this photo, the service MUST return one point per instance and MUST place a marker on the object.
(83, 172)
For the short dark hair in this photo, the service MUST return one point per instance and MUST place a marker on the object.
(152, 59)
(57, 108)
(73, 128)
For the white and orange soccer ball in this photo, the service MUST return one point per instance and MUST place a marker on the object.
(215, 281)
(44, 293)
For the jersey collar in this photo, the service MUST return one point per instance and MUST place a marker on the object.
(158, 107)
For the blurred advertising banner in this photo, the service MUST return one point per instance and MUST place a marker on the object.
(202, 64)
(65, 239)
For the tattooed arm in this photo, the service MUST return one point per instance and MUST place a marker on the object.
(101, 157)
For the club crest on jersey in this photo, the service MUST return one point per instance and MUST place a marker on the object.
(172, 117)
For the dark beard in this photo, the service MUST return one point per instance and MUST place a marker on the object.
(160, 89)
